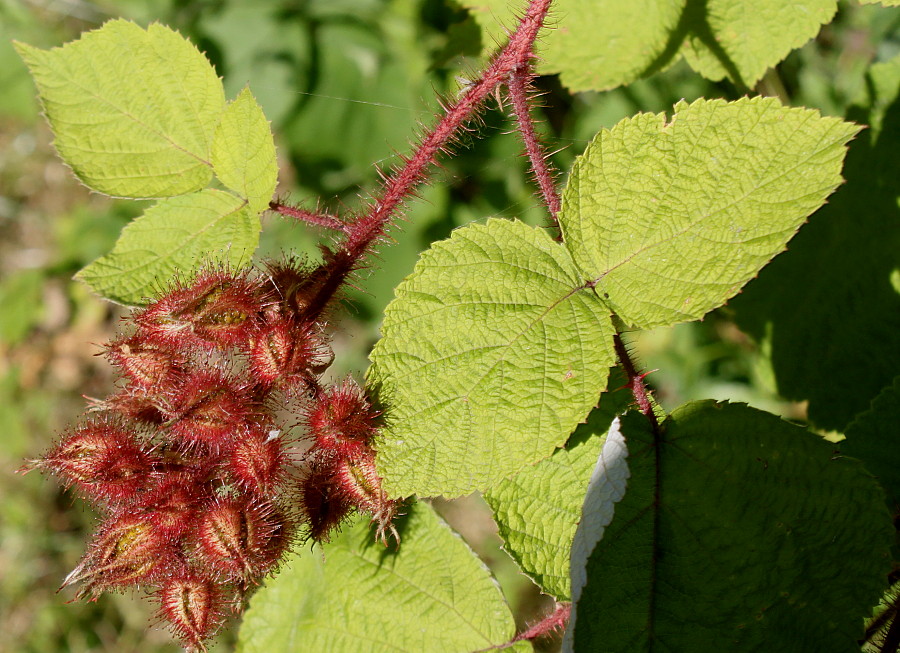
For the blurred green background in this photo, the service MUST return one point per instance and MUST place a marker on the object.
(346, 84)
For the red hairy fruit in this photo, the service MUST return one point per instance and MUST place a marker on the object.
(218, 309)
(103, 460)
(323, 506)
(143, 362)
(145, 405)
(342, 422)
(358, 480)
(193, 606)
(210, 408)
(240, 539)
(257, 460)
(126, 551)
(172, 505)
(289, 355)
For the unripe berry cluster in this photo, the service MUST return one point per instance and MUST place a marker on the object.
(188, 461)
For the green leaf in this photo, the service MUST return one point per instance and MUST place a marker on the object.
(592, 46)
(431, 595)
(599, 46)
(491, 354)
(243, 152)
(538, 509)
(740, 39)
(175, 236)
(738, 532)
(132, 111)
(873, 438)
(672, 218)
(829, 307)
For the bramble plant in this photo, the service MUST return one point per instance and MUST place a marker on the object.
(503, 365)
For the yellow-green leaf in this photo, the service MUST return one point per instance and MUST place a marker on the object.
(133, 111)
(175, 236)
(243, 152)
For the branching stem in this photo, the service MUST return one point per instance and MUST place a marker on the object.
(365, 230)
(310, 217)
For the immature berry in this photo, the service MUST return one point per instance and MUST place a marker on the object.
(126, 551)
(289, 355)
(217, 309)
(359, 482)
(193, 605)
(257, 460)
(241, 539)
(342, 422)
(209, 408)
(103, 460)
(144, 362)
(322, 504)
(295, 286)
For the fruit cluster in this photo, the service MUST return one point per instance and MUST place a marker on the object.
(201, 491)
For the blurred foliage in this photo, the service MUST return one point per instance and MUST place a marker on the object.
(346, 84)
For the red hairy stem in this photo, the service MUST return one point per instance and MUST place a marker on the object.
(311, 217)
(518, 86)
(552, 623)
(367, 228)
(636, 382)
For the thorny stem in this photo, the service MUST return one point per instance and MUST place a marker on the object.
(318, 219)
(519, 80)
(371, 225)
(550, 624)
(636, 383)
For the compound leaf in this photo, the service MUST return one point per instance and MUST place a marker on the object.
(538, 510)
(243, 152)
(672, 219)
(738, 532)
(491, 353)
(133, 111)
(174, 236)
(433, 594)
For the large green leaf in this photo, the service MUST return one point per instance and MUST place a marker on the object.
(492, 352)
(738, 532)
(538, 509)
(874, 438)
(740, 39)
(592, 45)
(671, 218)
(243, 152)
(600, 45)
(827, 311)
(433, 594)
(175, 236)
(133, 111)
